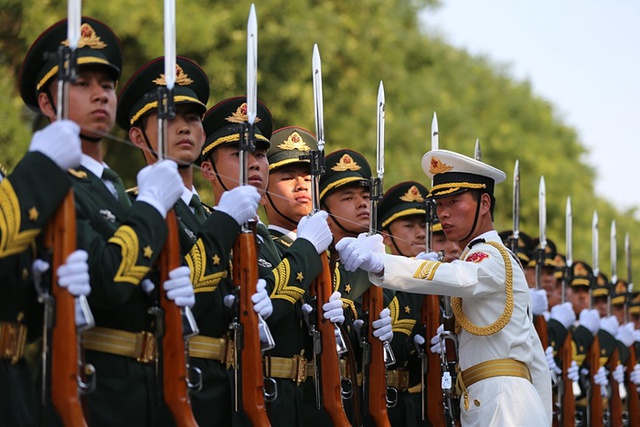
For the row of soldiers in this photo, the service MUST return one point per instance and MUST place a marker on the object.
(592, 313)
(120, 236)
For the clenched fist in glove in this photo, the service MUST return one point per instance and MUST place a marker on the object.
(74, 274)
(573, 373)
(363, 252)
(59, 141)
(382, 327)
(602, 379)
(551, 361)
(333, 310)
(634, 376)
(564, 314)
(610, 324)
(179, 288)
(625, 334)
(261, 301)
(436, 347)
(618, 374)
(539, 301)
(240, 203)
(590, 319)
(160, 185)
(316, 230)
(428, 256)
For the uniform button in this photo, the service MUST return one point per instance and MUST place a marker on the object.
(476, 402)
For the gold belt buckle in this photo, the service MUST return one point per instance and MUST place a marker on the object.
(300, 363)
(145, 347)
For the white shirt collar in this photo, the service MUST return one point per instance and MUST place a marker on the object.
(94, 166)
(290, 234)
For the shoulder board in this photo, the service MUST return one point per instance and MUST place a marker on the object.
(133, 191)
(77, 173)
(281, 241)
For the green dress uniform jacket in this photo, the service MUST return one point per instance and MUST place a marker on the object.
(123, 243)
(288, 272)
(29, 197)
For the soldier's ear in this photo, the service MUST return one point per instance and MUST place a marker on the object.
(207, 171)
(136, 136)
(45, 105)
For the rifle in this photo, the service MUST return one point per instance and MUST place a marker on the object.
(376, 355)
(326, 336)
(633, 402)
(67, 366)
(566, 399)
(595, 408)
(615, 400)
(247, 324)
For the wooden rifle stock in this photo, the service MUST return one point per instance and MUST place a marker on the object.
(245, 277)
(434, 403)
(329, 362)
(568, 399)
(633, 404)
(595, 399)
(541, 328)
(615, 401)
(376, 387)
(61, 239)
(174, 364)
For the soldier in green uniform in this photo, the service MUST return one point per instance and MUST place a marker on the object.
(123, 239)
(288, 275)
(288, 201)
(206, 235)
(26, 207)
(402, 220)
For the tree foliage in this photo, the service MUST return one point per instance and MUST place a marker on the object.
(361, 43)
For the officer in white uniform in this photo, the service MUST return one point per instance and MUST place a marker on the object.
(504, 379)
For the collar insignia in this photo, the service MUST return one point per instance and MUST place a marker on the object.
(240, 115)
(346, 163)
(412, 195)
(294, 142)
(77, 173)
(437, 166)
(182, 78)
(264, 263)
(88, 38)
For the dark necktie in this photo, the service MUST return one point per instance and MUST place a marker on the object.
(262, 231)
(198, 209)
(110, 175)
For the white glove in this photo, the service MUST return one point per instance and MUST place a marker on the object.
(610, 324)
(316, 230)
(241, 203)
(357, 325)
(261, 301)
(551, 361)
(636, 335)
(74, 274)
(573, 373)
(539, 301)
(601, 378)
(59, 141)
(427, 256)
(333, 310)
(179, 287)
(634, 376)
(618, 374)
(382, 327)
(147, 286)
(306, 311)
(418, 340)
(435, 341)
(564, 314)
(363, 252)
(590, 319)
(625, 336)
(160, 185)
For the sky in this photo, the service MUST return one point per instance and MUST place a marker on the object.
(581, 55)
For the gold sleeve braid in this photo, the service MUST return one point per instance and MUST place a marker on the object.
(197, 261)
(12, 241)
(427, 270)
(501, 322)
(128, 271)
(281, 290)
(404, 326)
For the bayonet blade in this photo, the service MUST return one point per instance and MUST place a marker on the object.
(170, 43)
(317, 96)
(542, 213)
(594, 244)
(569, 232)
(73, 23)
(516, 202)
(614, 252)
(477, 153)
(380, 131)
(627, 253)
(434, 132)
(252, 66)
